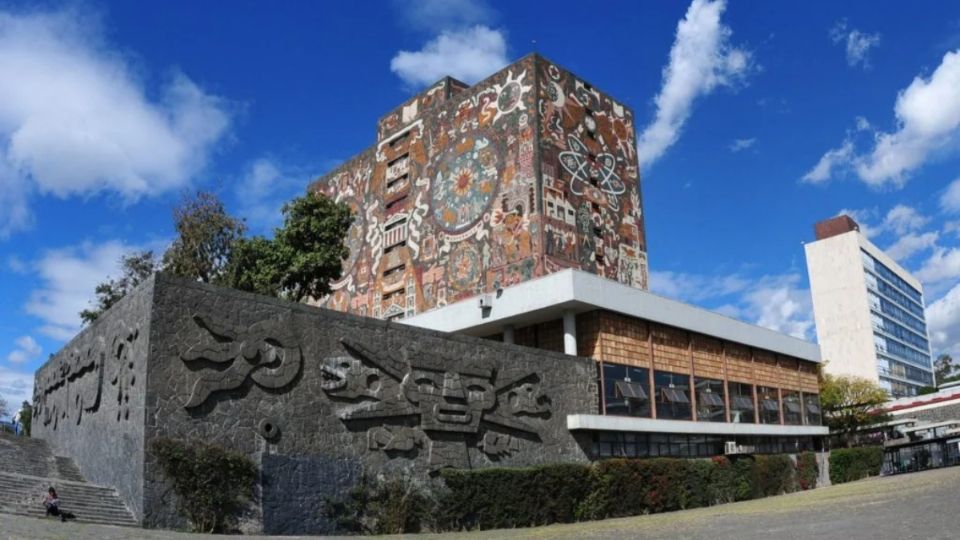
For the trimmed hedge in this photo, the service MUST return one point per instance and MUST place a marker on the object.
(507, 498)
(497, 498)
(849, 464)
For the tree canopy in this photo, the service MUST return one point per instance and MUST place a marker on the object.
(850, 403)
(206, 235)
(304, 256)
(135, 268)
(943, 369)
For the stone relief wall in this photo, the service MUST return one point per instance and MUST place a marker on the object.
(311, 391)
(89, 398)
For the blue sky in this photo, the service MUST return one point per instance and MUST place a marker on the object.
(755, 121)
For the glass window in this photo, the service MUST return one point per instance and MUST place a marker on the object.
(887, 274)
(673, 396)
(769, 405)
(626, 390)
(710, 400)
(900, 350)
(741, 403)
(811, 409)
(792, 408)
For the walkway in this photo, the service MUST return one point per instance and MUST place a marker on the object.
(920, 506)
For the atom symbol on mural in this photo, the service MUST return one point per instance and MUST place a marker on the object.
(582, 168)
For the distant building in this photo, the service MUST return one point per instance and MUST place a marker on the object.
(869, 311)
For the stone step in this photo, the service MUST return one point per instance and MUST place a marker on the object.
(68, 469)
(22, 495)
(79, 518)
(26, 456)
(105, 507)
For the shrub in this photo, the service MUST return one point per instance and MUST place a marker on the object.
(212, 484)
(773, 475)
(392, 505)
(526, 497)
(522, 497)
(628, 487)
(807, 470)
(848, 464)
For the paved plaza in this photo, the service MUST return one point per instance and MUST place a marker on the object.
(920, 506)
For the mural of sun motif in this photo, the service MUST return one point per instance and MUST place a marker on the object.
(577, 162)
(464, 267)
(510, 95)
(465, 186)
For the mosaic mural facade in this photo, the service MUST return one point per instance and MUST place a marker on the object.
(471, 189)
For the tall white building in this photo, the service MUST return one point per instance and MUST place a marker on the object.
(869, 310)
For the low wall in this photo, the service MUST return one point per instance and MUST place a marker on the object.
(935, 413)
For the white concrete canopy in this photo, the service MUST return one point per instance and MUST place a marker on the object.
(549, 297)
(597, 422)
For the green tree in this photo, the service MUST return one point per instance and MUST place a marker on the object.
(206, 237)
(135, 267)
(850, 403)
(3, 407)
(305, 255)
(310, 242)
(26, 417)
(255, 267)
(943, 367)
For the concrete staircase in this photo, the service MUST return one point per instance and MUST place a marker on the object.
(28, 468)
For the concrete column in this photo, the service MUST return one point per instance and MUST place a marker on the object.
(570, 332)
(508, 333)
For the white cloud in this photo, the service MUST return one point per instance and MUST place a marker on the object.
(902, 219)
(952, 227)
(928, 116)
(832, 159)
(950, 199)
(264, 188)
(742, 144)
(76, 120)
(469, 55)
(928, 122)
(858, 44)
(943, 321)
(69, 276)
(777, 302)
(780, 304)
(16, 265)
(438, 15)
(701, 59)
(27, 349)
(15, 388)
(899, 220)
(943, 265)
(910, 244)
(695, 288)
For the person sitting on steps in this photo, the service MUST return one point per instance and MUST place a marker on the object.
(52, 503)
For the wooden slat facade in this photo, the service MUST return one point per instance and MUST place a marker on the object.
(615, 338)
